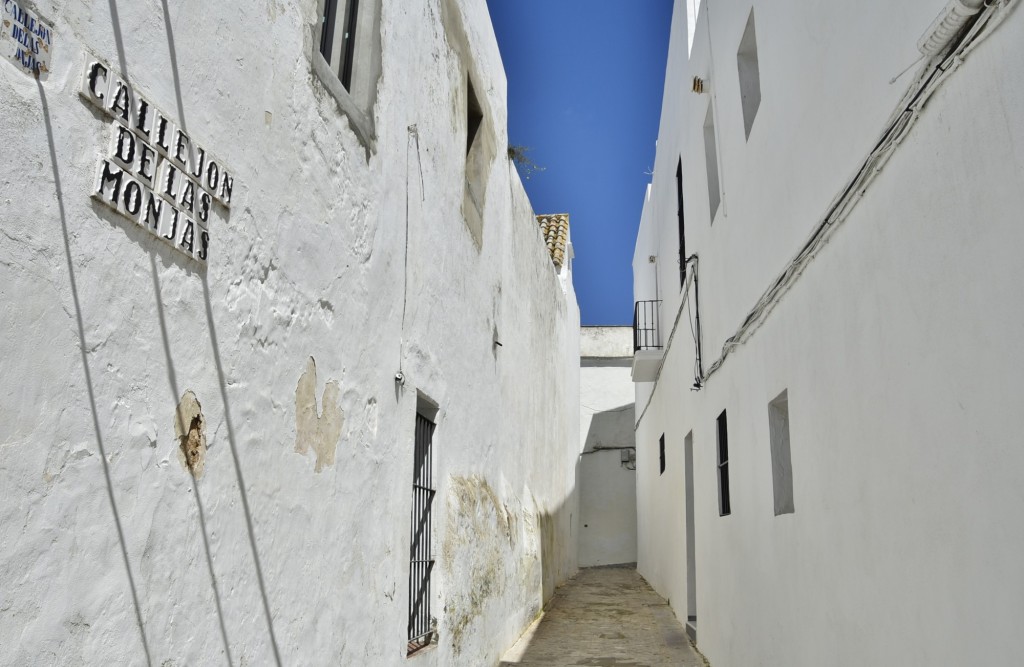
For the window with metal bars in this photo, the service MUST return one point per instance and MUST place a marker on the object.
(421, 563)
(338, 37)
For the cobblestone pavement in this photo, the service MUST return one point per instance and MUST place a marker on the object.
(605, 617)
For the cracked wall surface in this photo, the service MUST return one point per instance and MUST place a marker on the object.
(106, 329)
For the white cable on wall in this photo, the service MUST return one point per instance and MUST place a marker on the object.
(675, 325)
(928, 80)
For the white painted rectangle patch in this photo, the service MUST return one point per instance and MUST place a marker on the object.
(25, 40)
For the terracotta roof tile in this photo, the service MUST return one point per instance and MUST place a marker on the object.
(555, 229)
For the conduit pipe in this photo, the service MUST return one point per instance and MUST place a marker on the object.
(932, 75)
(947, 24)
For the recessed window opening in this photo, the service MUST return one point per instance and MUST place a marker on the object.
(661, 454)
(346, 60)
(421, 562)
(691, 546)
(711, 161)
(782, 465)
(474, 116)
(682, 231)
(750, 75)
(338, 37)
(724, 506)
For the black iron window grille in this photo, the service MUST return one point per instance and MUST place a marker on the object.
(421, 563)
(647, 325)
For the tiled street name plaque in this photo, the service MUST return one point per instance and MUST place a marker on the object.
(154, 174)
(24, 39)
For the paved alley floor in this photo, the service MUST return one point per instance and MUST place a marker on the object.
(605, 617)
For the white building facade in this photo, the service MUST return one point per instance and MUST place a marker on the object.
(830, 244)
(292, 378)
(607, 467)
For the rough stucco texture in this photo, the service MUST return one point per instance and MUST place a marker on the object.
(105, 328)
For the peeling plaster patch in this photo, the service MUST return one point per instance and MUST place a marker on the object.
(190, 429)
(320, 433)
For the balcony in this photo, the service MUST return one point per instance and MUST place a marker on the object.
(647, 348)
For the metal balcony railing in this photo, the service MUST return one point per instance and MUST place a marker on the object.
(647, 325)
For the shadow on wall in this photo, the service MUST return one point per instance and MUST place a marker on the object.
(218, 364)
(83, 349)
(607, 489)
(167, 257)
(556, 552)
(500, 550)
(611, 429)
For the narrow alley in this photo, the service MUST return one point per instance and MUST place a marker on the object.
(605, 617)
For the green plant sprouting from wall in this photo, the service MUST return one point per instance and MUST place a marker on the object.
(518, 154)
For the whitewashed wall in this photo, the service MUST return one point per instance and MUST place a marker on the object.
(898, 346)
(607, 487)
(104, 328)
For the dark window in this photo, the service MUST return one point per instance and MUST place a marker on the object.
(421, 627)
(724, 508)
(338, 37)
(474, 116)
(661, 453)
(682, 233)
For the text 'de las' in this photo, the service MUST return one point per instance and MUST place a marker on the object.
(153, 173)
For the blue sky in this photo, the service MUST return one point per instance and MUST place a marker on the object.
(585, 80)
